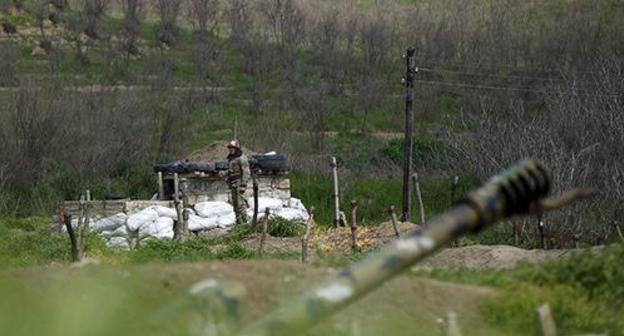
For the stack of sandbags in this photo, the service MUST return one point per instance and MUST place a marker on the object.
(157, 222)
(211, 215)
(292, 209)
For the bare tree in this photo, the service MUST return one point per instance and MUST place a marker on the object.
(169, 10)
(375, 32)
(204, 15)
(286, 27)
(93, 11)
(134, 13)
(325, 38)
(238, 16)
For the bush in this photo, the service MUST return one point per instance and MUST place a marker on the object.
(280, 227)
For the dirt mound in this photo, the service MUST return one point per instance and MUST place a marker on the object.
(216, 151)
(492, 257)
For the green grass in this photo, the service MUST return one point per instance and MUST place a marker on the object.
(584, 291)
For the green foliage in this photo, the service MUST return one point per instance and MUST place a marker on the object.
(583, 290)
(280, 227)
(599, 274)
(32, 241)
(172, 251)
(235, 250)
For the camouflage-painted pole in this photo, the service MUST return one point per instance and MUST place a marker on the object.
(518, 190)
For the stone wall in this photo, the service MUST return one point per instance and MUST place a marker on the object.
(215, 188)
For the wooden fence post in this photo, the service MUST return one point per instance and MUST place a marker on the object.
(420, 200)
(254, 219)
(619, 232)
(161, 187)
(179, 233)
(336, 194)
(265, 228)
(72, 237)
(546, 321)
(354, 207)
(540, 227)
(454, 189)
(393, 218)
(516, 232)
(305, 240)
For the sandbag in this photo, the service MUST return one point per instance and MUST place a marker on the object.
(110, 223)
(213, 209)
(227, 220)
(121, 231)
(118, 243)
(296, 203)
(196, 223)
(161, 228)
(141, 218)
(273, 204)
(294, 215)
(165, 212)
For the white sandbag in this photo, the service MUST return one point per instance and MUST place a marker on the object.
(294, 215)
(165, 212)
(110, 223)
(161, 228)
(121, 231)
(296, 203)
(227, 220)
(213, 209)
(273, 204)
(143, 217)
(196, 223)
(118, 243)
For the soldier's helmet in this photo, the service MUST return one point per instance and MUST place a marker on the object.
(234, 144)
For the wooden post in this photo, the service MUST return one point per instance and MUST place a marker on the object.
(546, 321)
(72, 238)
(336, 196)
(254, 219)
(452, 328)
(516, 232)
(395, 224)
(179, 233)
(161, 187)
(408, 82)
(265, 229)
(619, 232)
(454, 189)
(540, 227)
(354, 207)
(577, 240)
(305, 240)
(421, 206)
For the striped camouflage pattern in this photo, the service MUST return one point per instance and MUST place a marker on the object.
(514, 191)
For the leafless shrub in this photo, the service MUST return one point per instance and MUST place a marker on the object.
(578, 138)
(204, 15)
(133, 14)
(169, 10)
(93, 11)
(7, 63)
(286, 28)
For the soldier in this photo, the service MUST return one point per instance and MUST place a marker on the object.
(238, 175)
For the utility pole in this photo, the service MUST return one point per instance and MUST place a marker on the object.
(408, 82)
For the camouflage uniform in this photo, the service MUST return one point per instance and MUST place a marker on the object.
(238, 176)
